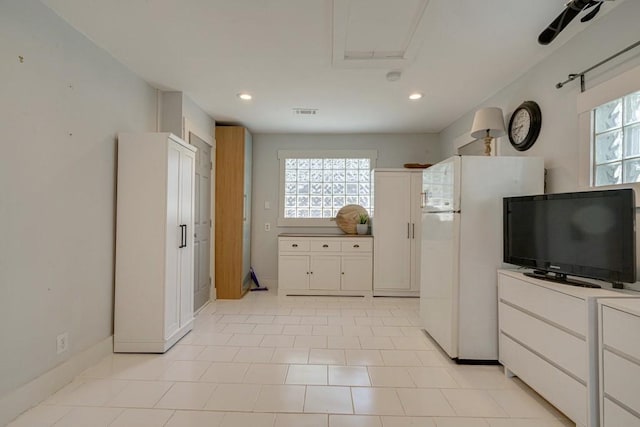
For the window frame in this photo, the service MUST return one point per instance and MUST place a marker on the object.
(617, 87)
(372, 155)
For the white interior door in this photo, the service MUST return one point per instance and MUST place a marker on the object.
(202, 222)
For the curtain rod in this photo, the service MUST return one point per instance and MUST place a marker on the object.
(572, 77)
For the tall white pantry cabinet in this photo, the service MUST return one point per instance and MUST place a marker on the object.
(397, 231)
(154, 242)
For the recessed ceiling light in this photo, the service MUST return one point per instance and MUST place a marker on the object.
(415, 96)
(245, 96)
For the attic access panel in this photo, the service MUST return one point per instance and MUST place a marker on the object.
(377, 33)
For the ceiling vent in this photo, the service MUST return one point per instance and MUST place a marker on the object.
(305, 111)
(377, 33)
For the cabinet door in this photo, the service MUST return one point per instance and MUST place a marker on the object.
(392, 231)
(325, 272)
(293, 272)
(357, 273)
(187, 190)
(416, 229)
(173, 241)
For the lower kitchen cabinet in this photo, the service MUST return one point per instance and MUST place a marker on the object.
(327, 265)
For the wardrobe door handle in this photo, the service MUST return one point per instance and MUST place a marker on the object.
(408, 230)
(413, 230)
(183, 236)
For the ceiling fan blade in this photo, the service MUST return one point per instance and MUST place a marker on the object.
(572, 10)
(592, 14)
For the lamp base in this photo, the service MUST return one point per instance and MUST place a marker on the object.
(487, 145)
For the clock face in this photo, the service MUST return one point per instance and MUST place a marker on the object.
(524, 126)
(521, 126)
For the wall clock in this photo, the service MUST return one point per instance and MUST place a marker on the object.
(524, 125)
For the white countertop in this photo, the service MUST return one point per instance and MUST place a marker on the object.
(324, 235)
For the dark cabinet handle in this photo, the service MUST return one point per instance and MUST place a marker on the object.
(295, 245)
(325, 246)
(356, 246)
(183, 236)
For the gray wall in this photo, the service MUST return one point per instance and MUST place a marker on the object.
(393, 152)
(61, 110)
(558, 141)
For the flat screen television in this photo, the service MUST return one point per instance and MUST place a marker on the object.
(588, 234)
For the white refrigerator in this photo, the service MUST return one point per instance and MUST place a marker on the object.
(462, 248)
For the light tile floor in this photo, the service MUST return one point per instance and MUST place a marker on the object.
(296, 362)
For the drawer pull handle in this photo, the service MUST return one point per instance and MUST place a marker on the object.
(295, 245)
(325, 246)
(356, 246)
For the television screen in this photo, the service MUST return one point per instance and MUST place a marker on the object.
(587, 234)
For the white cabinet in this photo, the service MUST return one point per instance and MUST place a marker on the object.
(396, 227)
(619, 352)
(154, 242)
(548, 338)
(327, 265)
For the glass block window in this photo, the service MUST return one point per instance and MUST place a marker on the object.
(317, 187)
(616, 141)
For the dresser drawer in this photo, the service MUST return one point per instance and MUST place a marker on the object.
(615, 416)
(325, 245)
(293, 245)
(357, 245)
(558, 346)
(567, 394)
(617, 329)
(565, 310)
(621, 379)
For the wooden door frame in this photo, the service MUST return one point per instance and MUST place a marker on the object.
(208, 137)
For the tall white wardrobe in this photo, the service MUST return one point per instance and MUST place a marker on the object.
(154, 242)
(397, 232)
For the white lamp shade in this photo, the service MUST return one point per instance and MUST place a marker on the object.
(488, 119)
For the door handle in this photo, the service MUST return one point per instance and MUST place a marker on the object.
(356, 246)
(413, 230)
(325, 246)
(408, 230)
(295, 245)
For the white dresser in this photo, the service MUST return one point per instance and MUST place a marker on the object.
(548, 338)
(325, 264)
(619, 352)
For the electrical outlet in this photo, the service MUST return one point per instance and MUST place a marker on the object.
(267, 226)
(62, 342)
(267, 204)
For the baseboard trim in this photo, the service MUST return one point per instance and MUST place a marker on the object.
(18, 401)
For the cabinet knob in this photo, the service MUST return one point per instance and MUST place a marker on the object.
(343, 273)
(325, 246)
(356, 246)
(307, 272)
(312, 272)
(295, 245)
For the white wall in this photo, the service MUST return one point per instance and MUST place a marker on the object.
(558, 140)
(393, 152)
(61, 110)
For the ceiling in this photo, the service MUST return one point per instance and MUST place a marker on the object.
(329, 55)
